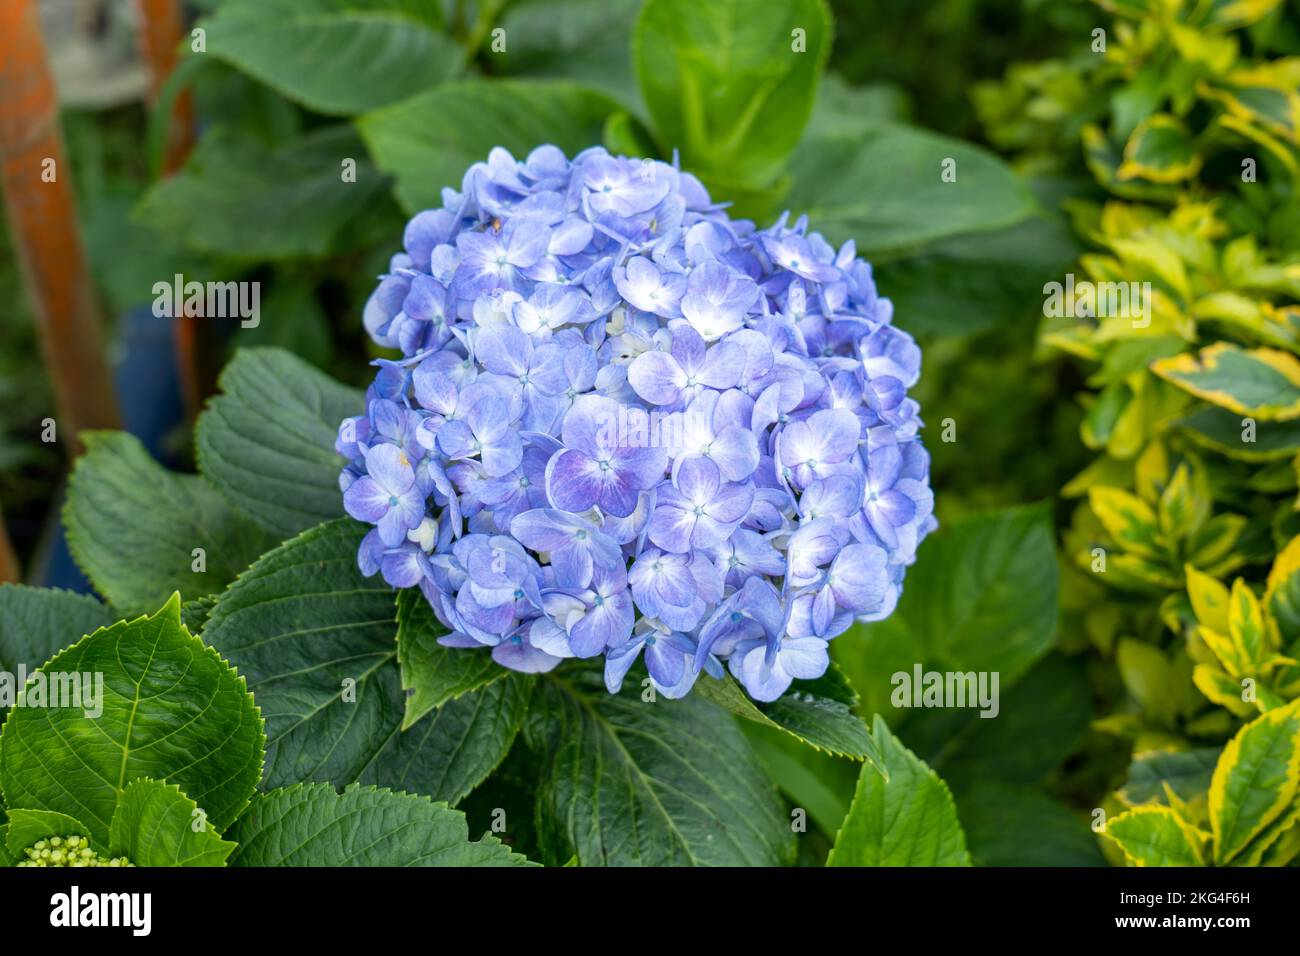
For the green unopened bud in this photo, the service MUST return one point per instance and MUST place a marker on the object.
(68, 851)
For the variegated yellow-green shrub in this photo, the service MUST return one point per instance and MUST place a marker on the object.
(1246, 817)
(1186, 116)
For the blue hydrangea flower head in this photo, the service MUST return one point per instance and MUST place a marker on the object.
(625, 425)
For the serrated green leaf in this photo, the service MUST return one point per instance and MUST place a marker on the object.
(336, 56)
(432, 674)
(819, 713)
(35, 623)
(194, 614)
(312, 825)
(171, 709)
(429, 141)
(1255, 781)
(155, 825)
(1157, 836)
(134, 527)
(316, 642)
(981, 597)
(631, 782)
(728, 87)
(581, 40)
(1016, 745)
(1022, 826)
(280, 469)
(25, 827)
(885, 190)
(910, 820)
(295, 193)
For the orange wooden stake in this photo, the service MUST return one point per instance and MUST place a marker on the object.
(38, 201)
(9, 572)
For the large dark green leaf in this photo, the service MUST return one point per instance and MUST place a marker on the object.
(1021, 826)
(267, 442)
(336, 56)
(316, 642)
(134, 527)
(432, 674)
(238, 199)
(157, 825)
(982, 597)
(582, 40)
(819, 713)
(884, 189)
(172, 710)
(1039, 722)
(428, 141)
(35, 623)
(362, 826)
(731, 83)
(632, 781)
(968, 283)
(908, 820)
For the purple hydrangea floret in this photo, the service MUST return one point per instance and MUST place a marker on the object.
(625, 425)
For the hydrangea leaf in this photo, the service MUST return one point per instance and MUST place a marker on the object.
(315, 641)
(1255, 781)
(1157, 836)
(968, 283)
(1015, 746)
(813, 780)
(171, 709)
(35, 623)
(1160, 150)
(432, 674)
(908, 820)
(428, 141)
(279, 468)
(337, 57)
(730, 86)
(134, 527)
(981, 597)
(649, 783)
(1022, 826)
(295, 193)
(1261, 383)
(194, 614)
(25, 827)
(581, 40)
(313, 825)
(155, 825)
(883, 188)
(819, 713)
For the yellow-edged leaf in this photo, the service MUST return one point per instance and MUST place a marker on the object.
(1255, 780)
